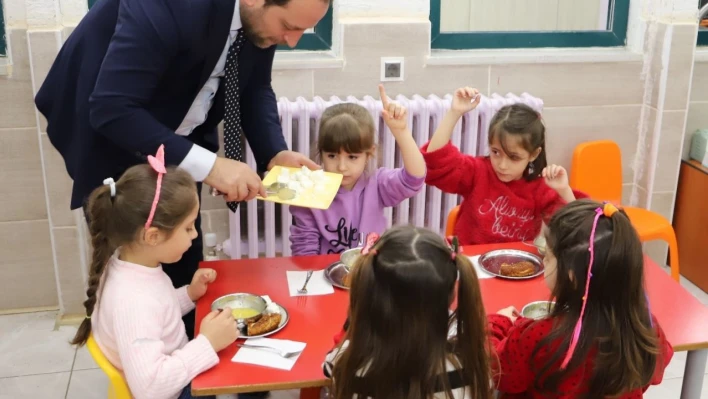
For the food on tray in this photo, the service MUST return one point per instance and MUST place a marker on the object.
(303, 180)
(244, 313)
(266, 324)
(347, 280)
(517, 269)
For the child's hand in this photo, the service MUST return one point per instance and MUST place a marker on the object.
(556, 177)
(219, 327)
(395, 115)
(510, 312)
(198, 287)
(465, 99)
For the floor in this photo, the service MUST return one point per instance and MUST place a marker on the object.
(36, 361)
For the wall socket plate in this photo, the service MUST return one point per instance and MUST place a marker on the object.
(392, 69)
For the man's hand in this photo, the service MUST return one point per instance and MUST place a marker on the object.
(235, 180)
(292, 159)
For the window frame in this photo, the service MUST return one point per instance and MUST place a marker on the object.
(3, 42)
(616, 37)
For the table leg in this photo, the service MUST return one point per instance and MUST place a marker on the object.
(693, 374)
(310, 393)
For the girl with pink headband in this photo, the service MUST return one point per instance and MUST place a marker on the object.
(133, 311)
(600, 338)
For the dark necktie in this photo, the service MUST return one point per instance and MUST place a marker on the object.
(232, 112)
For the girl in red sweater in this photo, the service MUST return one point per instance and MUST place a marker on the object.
(600, 339)
(507, 194)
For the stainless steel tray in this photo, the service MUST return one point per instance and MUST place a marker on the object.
(284, 319)
(492, 261)
(335, 274)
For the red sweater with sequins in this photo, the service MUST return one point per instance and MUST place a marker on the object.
(491, 211)
(514, 345)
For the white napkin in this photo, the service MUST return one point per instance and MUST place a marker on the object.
(264, 357)
(318, 284)
(481, 273)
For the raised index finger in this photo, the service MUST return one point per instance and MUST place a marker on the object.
(384, 97)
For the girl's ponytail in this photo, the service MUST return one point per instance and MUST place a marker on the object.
(99, 209)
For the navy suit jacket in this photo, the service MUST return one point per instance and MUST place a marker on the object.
(126, 77)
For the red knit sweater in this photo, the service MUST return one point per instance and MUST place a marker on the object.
(514, 345)
(491, 211)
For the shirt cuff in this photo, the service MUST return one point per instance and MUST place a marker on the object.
(198, 162)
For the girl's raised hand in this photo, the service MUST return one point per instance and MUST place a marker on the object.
(395, 115)
(465, 99)
(201, 279)
(556, 177)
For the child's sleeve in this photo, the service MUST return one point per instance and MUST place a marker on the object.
(185, 302)
(150, 372)
(304, 235)
(666, 352)
(513, 347)
(450, 170)
(395, 185)
(331, 358)
(550, 201)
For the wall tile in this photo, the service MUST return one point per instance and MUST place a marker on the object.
(59, 185)
(71, 275)
(683, 46)
(17, 100)
(21, 179)
(669, 156)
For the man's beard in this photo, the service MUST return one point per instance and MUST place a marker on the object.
(247, 18)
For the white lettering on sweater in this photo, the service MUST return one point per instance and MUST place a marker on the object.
(509, 221)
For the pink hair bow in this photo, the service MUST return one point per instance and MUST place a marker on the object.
(158, 164)
(371, 239)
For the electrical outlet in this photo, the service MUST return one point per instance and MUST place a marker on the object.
(391, 69)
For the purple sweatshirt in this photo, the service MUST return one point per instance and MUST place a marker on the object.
(318, 231)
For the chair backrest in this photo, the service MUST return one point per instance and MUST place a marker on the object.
(118, 388)
(597, 170)
(451, 221)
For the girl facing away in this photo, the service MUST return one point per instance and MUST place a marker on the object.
(134, 313)
(402, 340)
(346, 145)
(506, 195)
(600, 339)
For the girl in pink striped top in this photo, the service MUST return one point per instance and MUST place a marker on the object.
(134, 313)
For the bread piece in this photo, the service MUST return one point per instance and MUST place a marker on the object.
(266, 324)
(518, 269)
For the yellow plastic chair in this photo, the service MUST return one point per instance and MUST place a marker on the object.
(118, 388)
(597, 170)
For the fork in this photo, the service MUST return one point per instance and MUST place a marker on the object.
(303, 290)
(285, 354)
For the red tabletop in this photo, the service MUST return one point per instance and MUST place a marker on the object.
(316, 319)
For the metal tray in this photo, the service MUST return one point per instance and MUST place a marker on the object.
(491, 262)
(284, 319)
(335, 274)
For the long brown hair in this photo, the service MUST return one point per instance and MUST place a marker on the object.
(117, 221)
(399, 321)
(348, 127)
(520, 120)
(617, 327)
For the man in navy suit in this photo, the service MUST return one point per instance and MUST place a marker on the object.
(137, 74)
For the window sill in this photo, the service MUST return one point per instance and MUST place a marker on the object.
(294, 59)
(531, 56)
(5, 66)
(701, 54)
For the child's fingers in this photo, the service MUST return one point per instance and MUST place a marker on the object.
(384, 97)
(211, 315)
(225, 313)
(386, 115)
(404, 112)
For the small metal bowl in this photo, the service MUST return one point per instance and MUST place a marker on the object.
(537, 310)
(350, 256)
(241, 301)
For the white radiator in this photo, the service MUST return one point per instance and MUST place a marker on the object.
(262, 228)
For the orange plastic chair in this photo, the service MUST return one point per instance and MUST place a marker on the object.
(118, 388)
(451, 221)
(597, 170)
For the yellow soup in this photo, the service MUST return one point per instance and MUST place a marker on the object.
(244, 313)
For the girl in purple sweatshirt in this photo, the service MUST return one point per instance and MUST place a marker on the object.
(346, 145)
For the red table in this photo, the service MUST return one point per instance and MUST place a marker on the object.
(315, 319)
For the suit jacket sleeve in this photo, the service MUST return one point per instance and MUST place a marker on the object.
(259, 110)
(147, 38)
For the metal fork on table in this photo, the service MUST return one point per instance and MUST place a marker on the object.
(303, 290)
(285, 354)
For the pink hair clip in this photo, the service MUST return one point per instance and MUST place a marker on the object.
(371, 239)
(158, 164)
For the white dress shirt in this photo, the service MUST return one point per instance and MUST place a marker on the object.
(199, 160)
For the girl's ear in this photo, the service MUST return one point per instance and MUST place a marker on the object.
(536, 153)
(152, 236)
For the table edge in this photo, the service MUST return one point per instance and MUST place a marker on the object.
(232, 389)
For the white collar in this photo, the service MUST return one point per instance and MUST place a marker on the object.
(236, 21)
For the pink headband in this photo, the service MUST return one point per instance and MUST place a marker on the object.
(158, 164)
